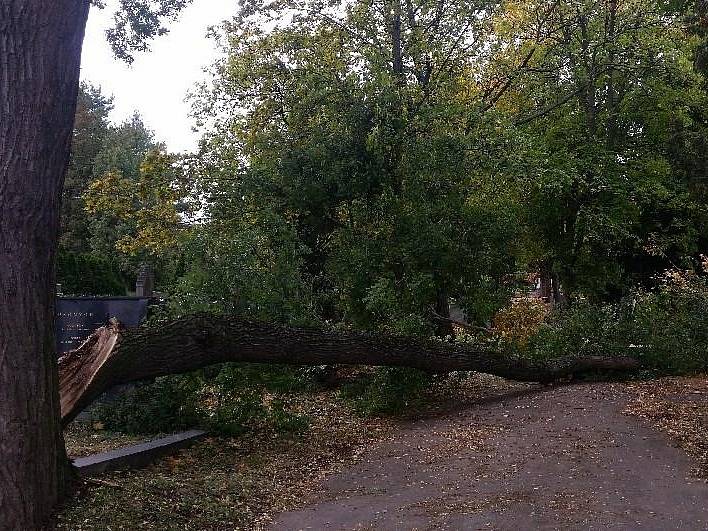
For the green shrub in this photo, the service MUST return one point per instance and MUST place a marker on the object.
(387, 390)
(162, 406)
(666, 328)
(228, 399)
(87, 274)
(672, 326)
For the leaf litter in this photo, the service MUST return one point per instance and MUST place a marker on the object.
(242, 482)
(677, 406)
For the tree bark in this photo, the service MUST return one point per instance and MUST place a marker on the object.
(40, 51)
(444, 326)
(113, 356)
(396, 40)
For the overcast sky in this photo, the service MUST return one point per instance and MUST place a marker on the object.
(157, 82)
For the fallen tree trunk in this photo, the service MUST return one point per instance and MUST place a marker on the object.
(114, 356)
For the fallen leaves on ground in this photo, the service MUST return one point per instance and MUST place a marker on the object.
(226, 483)
(678, 407)
(84, 439)
(240, 483)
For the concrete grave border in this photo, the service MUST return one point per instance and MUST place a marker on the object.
(135, 456)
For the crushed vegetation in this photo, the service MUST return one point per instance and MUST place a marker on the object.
(678, 406)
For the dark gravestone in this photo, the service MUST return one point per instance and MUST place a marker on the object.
(78, 317)
(145, 283)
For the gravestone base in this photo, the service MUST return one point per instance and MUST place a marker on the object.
(135, 456)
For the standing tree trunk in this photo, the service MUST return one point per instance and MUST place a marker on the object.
(443, 327)
(40, 52)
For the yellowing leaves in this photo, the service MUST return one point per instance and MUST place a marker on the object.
(110, 193)
(521, 320)
(149, 204)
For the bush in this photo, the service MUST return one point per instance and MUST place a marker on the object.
(519, 321)
(582, 329)
(387, 390)
(162, 406)
(672, 326)
(87, 274)
(666, 328)
(228, 399)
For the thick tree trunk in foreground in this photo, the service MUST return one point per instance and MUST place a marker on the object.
(40, 50)
(112, 356)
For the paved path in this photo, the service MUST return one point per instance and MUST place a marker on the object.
(566, 458)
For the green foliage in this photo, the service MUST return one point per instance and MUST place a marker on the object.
(87, 274)
(667, 329)
(160, 407)
(380, 177)
(246, 265)
(387, 391)
(368, 186)
(673, 324)
(101, 150)
(228, 399)
(124, 150)
(137, 22)
(352, 173)
(614, 197)
(91, 127)
(581, 329)
(366, 162)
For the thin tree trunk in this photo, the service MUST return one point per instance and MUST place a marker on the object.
(612, 102)
(40, 51)
(443, 325)
(396, 36)
(112, 356)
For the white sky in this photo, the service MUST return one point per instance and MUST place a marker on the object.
(157, 82)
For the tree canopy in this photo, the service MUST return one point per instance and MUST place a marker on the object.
(374, 162)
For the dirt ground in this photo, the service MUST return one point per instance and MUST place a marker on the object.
(561, 458)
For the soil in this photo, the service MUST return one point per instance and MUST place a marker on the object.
(562, 458)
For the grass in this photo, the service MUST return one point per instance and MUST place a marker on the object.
(242, 482)
(84, 439)
(223, 482)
